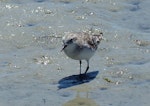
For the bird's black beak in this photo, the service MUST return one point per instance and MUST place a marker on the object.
(63, 48)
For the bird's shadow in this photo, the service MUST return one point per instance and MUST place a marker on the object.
(74, 80)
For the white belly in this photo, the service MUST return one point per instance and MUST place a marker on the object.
(77, 53)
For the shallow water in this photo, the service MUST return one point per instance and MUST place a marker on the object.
(32, 66)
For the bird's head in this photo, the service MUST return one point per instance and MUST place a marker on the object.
(97, 38)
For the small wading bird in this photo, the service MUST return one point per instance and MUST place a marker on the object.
(81, 46)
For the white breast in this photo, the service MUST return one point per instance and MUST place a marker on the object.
(79, 53)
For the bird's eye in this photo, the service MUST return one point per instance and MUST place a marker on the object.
(98, 41)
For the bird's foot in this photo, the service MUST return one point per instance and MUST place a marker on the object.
(82, 77)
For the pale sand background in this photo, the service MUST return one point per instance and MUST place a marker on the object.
(32, 67)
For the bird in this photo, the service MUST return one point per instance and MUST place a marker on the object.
(81, 46)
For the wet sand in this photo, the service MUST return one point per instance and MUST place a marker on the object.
(33, 71)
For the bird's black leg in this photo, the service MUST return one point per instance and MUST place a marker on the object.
(80, 66)
(87, 68)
